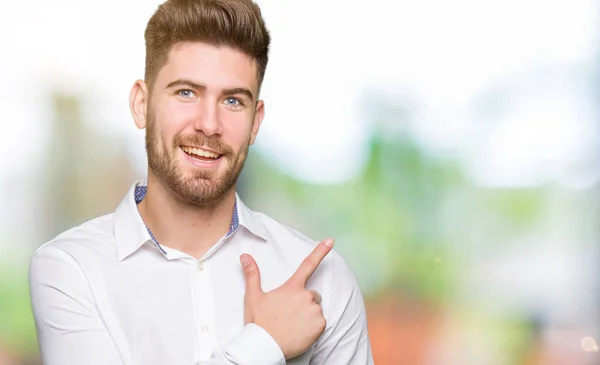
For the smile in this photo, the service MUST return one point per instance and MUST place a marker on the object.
(200, 154)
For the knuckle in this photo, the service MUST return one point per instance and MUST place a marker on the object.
(289, 285)
(310, 260)
(307, 264)
(249, 273)
(308, 296)
(318, 310)
(322, 324)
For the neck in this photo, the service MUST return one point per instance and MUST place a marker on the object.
(186, 228)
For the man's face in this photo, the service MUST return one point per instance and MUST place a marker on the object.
(202, 116)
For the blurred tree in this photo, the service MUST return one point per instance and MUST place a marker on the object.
(86, 175)
(87, 172)
(405, 224)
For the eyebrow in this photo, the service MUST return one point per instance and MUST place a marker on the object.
(197, 86)
(238, 90)
(186, 82)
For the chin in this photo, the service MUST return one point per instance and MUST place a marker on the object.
(203, 191)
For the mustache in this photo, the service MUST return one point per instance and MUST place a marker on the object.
(200, 139)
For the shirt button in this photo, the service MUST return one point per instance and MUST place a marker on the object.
(200, 266)
(205, 328)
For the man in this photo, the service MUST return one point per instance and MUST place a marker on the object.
(172, 276)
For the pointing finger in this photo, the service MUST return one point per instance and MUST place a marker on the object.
(311, 262)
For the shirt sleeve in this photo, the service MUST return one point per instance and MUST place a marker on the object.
(254, 346)
(346, 337)
(71, 331)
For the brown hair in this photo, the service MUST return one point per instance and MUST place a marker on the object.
(234, 23)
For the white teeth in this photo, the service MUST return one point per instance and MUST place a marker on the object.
(199, 152)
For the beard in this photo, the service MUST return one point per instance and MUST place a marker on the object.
(202, 188)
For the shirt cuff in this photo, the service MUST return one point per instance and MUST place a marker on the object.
(254, 346)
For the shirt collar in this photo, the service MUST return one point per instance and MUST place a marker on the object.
(131, 231)
(248, 220)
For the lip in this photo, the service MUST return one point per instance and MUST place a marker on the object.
(201, 164)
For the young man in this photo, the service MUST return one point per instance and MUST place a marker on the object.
(172, 276)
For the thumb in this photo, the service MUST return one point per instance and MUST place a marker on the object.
(251, 274)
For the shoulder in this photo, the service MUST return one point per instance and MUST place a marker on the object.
(93, 239)
(294, 246)
(278, 230)
(59, 269)
(343, 302)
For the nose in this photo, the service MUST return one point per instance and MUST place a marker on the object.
(207, 120)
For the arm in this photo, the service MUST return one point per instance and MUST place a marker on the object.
(71, 331)
(346, 339)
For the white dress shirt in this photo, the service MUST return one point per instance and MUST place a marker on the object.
(106, 293)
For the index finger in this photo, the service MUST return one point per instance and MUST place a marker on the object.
(311, 262)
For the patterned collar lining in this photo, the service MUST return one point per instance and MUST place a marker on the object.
(140, 193)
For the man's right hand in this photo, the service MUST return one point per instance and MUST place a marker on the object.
(291, 314)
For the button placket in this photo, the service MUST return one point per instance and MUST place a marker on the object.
(206, 310)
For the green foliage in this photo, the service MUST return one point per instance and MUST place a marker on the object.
(404, 222)
(17, 329)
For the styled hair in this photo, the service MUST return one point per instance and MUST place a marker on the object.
(234, 23)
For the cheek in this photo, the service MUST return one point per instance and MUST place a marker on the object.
(172, 119)
(175, 115)
(236, 130)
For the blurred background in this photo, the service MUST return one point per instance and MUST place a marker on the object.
(451, 147)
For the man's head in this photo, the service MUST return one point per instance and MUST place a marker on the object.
(205, 62)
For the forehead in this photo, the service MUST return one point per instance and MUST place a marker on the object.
(216, 67)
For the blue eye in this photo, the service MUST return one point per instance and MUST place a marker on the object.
(186, 94)
(233, 102)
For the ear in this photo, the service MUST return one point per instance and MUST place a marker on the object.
(258, 118)
(138, 103)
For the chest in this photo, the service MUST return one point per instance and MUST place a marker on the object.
(182, 311)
